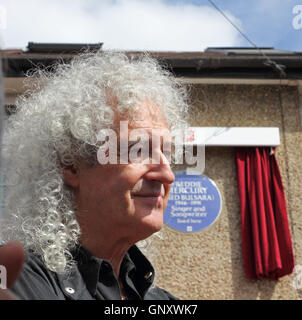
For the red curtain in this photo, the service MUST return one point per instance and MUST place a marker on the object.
(266, 241)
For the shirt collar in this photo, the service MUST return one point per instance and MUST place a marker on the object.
(89, 267)
(143, 274)
(135, 268)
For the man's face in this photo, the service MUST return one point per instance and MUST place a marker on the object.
(129, 199)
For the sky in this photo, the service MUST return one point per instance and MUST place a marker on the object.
(155, 25)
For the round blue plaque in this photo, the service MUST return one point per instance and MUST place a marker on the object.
(194, 203)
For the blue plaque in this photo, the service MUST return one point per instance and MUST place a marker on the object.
(194, 203)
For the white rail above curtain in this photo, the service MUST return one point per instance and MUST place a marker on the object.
(234, 136)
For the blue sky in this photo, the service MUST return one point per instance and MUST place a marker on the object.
(177, 25)
(266, 22)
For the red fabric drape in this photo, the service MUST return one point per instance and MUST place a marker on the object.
(266, 241)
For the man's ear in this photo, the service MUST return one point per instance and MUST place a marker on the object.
(71, 176)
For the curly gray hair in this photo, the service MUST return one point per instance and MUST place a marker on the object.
(57, 124)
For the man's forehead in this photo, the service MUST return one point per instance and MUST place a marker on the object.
(145, 115)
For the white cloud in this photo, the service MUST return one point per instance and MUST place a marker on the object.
(121, 24)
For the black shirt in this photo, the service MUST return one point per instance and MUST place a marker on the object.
(90, 279)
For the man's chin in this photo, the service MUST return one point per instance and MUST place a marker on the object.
(151, 223)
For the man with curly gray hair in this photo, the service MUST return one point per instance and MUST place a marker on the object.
(79, 220)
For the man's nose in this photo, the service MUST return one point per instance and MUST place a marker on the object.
(161, 172)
